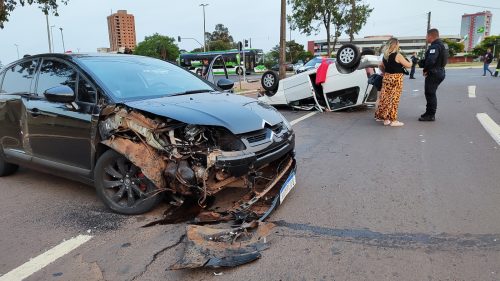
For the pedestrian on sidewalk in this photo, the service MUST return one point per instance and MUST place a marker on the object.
(436, 58)
(392, 84)
(498, 66)
(488, 58)
(414, 61)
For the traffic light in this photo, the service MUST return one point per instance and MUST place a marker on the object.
(178, 39)
(240, 46)
(246, 43)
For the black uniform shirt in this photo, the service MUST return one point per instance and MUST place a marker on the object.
(436, 56)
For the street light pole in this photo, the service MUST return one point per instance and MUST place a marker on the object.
(48, 32)
(17, 48)
(62, 37)
(204, 28)
(52, 37)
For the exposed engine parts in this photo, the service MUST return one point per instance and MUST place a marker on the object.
(177, 157)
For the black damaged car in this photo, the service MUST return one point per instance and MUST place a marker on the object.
(142, 130)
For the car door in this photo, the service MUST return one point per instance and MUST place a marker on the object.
(60, 133)
(15, 88)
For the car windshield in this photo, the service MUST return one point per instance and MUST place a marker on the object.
(135, 77)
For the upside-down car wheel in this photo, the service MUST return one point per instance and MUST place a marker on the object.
(270, 81)
(122, 186)
(348, 56)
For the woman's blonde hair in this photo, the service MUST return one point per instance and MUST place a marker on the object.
(391, 47)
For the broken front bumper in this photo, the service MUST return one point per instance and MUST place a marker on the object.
(239, 164)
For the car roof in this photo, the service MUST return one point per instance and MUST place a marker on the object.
(68, 56)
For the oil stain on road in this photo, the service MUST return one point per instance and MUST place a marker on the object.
(437, 242)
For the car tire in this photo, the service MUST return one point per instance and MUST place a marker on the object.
(122, 186)
(348, 56)
(270, 81)
(198, 72)
(368, 52)
(7, 169)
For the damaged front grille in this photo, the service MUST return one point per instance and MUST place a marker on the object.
(257, 138)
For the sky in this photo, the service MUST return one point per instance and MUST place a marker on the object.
(85, 27)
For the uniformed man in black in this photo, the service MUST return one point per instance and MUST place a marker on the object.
(433, 64)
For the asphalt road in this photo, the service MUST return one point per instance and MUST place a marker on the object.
(421, 202)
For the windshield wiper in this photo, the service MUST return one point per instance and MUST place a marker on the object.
(193, 92)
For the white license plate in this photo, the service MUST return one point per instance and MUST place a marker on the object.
(287, 187)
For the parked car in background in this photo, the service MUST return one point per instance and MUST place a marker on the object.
(289, 67)
(312, 64)
(298, 65)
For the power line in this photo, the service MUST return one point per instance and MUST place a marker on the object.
(470, 5)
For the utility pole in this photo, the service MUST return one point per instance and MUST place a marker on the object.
(48, 31)
(282, 73)
(62, 37)
(428, 27)
(17, 48)
(204, 28)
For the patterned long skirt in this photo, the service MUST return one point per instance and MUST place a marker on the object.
(392, 87)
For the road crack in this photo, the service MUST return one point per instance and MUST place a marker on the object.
(156, 255)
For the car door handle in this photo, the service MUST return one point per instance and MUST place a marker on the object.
(34, 112)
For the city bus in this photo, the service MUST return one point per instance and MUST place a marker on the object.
(254, 61)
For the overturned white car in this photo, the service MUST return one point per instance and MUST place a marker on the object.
(346, 85)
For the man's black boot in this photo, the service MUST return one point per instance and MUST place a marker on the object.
(427, 118)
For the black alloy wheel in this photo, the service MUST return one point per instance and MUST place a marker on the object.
(123, 187)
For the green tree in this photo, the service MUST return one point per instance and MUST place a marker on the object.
(488, 42)
(219, 40)
(294, 52)
(8, 6)
(359, 14)
(309, 15)
(454, 47)
(158, 46)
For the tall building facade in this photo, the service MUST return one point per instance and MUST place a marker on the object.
(121, 29)
(474, 28)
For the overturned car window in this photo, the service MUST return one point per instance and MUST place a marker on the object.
(134, 77)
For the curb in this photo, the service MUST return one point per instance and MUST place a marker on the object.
(247, 92)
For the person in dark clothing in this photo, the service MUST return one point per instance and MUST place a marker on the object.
(414, 62)
(498, 67)
(433, 64)
(488, 58)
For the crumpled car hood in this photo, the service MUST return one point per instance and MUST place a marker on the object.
(238, 114)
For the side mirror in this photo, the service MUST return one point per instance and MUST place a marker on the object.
(62, 94)
(225, 84)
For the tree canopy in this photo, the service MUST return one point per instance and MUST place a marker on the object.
(358, 15)
(454, 47)
(345, 15)
(488, 42)
(219, 40)
(8, 6)
(158, 46)
(294, 53)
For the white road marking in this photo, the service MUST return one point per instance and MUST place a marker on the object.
(472, 92)
(44, 259)
(491, 127)
(300, 119)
